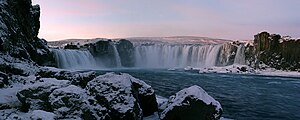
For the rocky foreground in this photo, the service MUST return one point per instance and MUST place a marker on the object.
(49, 93)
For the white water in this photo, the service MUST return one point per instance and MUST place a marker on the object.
(240, 55)
(74, 59)
(173, 56)
(117, 56)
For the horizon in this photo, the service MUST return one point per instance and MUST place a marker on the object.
(228, 20)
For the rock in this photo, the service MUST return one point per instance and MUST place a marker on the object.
(146, 97)
(126, 52)
(10, 65)
(41, 115)
(3, 79)
(72, 102)
(227, 54)
(192, 103)
(123, 95)
(36, 96)
(276, 51)
(76, 78)
(115, 92)
(103, 51)
(20, 25)
(12, 114)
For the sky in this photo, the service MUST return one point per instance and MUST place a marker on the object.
(227, 19)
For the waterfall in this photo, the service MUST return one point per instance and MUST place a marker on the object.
(170, 56)
(74, 59)
(117, 56)
(240, 55)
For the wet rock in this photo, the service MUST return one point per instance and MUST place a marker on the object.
(126, 52)
(192, 103)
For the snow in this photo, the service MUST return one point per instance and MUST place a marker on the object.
(48, 82)
(195, 92)
(8, 96)
(122, 90)
(41, 115)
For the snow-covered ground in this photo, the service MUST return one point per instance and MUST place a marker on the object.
(244, 69)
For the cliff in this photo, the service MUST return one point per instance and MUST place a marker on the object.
(277, 51)
(20, 25)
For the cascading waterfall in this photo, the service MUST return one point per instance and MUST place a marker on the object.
(170, 56)
(240, 55)
(117, 56)
(74, 59)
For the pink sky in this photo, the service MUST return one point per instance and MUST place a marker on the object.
(63, 19)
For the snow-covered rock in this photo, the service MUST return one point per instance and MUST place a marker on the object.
(3, 79)
(244, 69)
(12, 114)
(124, 95)
(72, 102)
(192, 103)
(76, 78)
(36, 96)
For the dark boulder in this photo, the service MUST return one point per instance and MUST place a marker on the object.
(126, 52)
(125, 96)
(146, 97)
(192, 103)
(103, 51)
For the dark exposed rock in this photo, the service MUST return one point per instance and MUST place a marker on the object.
(76, 78)
(19, 29)
(276, 51)
(3, 79)
(103, 51)
(227, 54)
(192, 103)
(146, 97)
(126, 52)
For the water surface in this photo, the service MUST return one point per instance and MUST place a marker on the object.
(241, 96)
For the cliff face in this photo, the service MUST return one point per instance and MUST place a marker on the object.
(276, 51)
(20, 25)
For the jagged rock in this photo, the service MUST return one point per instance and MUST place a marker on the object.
(103, 51)
(276, 51)
(36, 96)
(146, 97)
(123, 95)
(227, 54)
(116, 94)
(126, 52)
(10, 65)
(3, 79)
(20, 25)
(192, 103)
(77, 78)
(72, 102)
